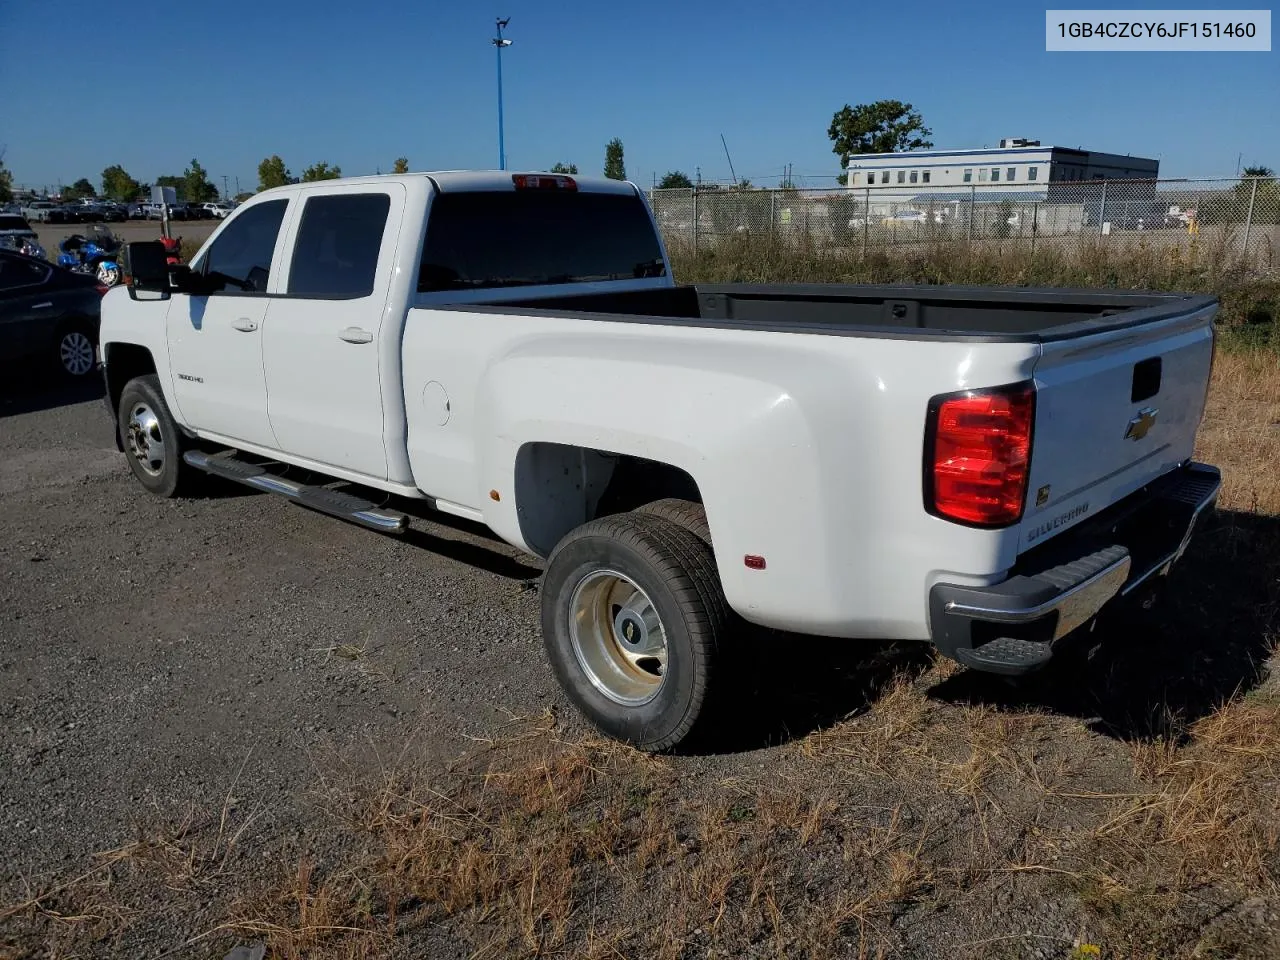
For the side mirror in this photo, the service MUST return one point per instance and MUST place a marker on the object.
(144, 264)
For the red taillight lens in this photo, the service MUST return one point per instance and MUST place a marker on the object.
(547, 181)
(979, 455)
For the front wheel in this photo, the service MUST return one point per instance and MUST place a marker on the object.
(152, 441)
(634, 620)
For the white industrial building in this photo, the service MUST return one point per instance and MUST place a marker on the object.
(1019, 170)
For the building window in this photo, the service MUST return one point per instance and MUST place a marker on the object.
(914, 175)
(1033, 173)
(884, 177)
(982, 174)
(925, 176)
(968, 176)
(1009, 174)
(995, 174)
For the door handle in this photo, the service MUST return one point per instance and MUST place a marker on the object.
(245, 325)
(356, 335)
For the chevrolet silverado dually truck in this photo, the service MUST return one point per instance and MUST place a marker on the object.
(983, 468)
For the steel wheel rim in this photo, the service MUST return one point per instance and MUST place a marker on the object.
(146, 442)
(76, 351)
(618, 637)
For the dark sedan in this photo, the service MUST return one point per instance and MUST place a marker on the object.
(48, 315)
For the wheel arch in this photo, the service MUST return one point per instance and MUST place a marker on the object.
(561, 486)
(123, 362)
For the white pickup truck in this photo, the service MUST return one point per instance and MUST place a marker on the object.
(983, 468)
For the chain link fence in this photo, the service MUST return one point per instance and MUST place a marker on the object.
(1240, 215)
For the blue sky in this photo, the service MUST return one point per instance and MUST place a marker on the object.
(360, 84)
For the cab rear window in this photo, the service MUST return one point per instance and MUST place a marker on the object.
(485, 239)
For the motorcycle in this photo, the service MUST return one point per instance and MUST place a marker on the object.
(96, 252)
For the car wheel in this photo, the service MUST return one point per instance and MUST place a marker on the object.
(151, 438)
(76, 351)
(634, 619)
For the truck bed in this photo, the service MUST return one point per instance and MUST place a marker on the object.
(900, 312)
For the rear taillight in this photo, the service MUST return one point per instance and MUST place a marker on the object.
(543, 181)
(978, 455)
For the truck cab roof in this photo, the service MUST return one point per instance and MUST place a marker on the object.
(449, 181)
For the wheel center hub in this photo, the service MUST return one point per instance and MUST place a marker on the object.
(630, 628)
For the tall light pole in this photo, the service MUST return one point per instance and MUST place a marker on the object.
(499, 42)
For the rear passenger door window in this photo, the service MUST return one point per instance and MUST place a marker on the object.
(241, 255)
(339, 238)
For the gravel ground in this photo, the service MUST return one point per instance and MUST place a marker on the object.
(152, 648)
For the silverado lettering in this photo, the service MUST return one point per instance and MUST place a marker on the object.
(1061, 520)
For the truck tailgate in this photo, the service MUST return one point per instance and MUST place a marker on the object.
(1114, 410)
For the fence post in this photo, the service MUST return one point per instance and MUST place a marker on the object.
(1248, 220)
(1102, 208)
(866, 223)
(973, 198)
(695, 220)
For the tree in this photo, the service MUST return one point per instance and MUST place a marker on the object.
(273, 173)
(118, 185)
(6, 182)
(321, 171)
(675, 180)
(886, 126)
(568, 168)
(401, 165)
(81, 188)
(614, 168)
(196, 187)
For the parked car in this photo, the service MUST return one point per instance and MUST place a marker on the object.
(45, 211)
(14, 230)
(113, 212)
(48, 314)
(905, 217)
(986, 469)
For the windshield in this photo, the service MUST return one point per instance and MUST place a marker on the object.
(529, 237)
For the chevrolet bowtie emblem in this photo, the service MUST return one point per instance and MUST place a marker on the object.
(1140, 425)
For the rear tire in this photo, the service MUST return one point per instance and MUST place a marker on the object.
(152, 441)
(635, 621)
(685, 513)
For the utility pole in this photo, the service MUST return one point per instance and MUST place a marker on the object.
(499, 42)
